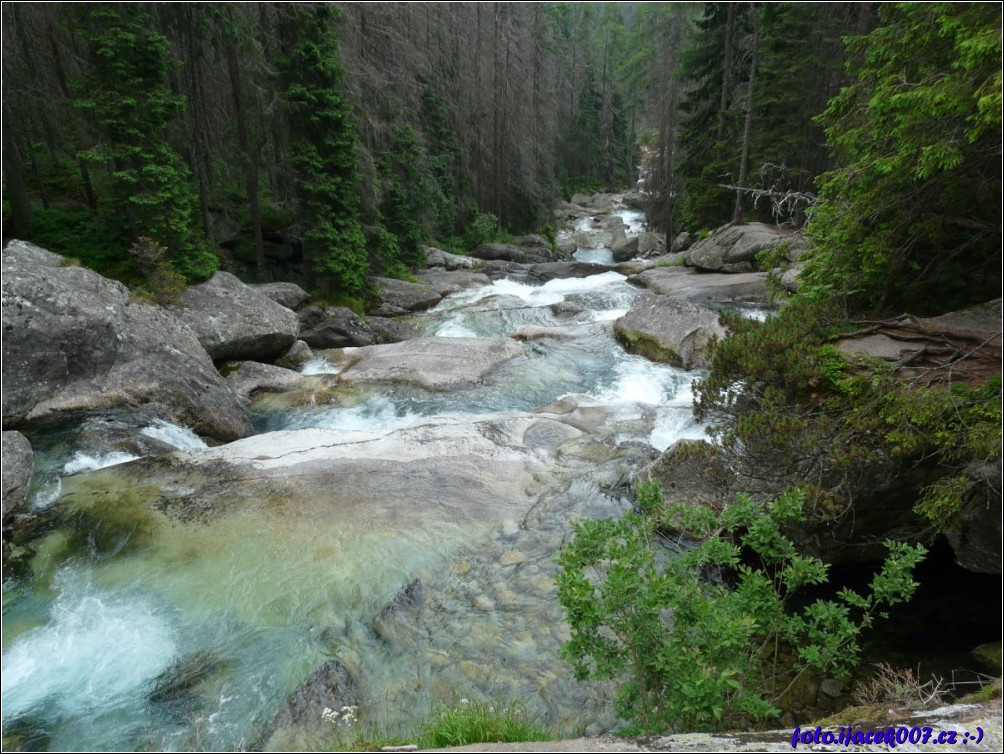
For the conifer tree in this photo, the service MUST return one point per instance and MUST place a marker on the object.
(325, 144)
(126, 95)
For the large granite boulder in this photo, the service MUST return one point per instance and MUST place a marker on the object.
(670, 331)
(625, 249)
(734, 248)
(397, 297)
(570, 269)
(289, 295)
(75, 341)
(438, 258)
(333, 327)
(437, 364)
(235, 321)
(18, 464)
(690, 472)
(522, 254)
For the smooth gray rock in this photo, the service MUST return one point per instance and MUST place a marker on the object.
(704, 288)
(570, 269)
(298, 354)
(436, 364)
(445, 282)
(76, 342)
(666, 330)
(235, 321)
(334, 327)
(289, 295)
(18, 465)
(734, 248)
(253, 376)
(388, 330)
(398, 297)
(438, 258)
(635, 199)
(507, 252)
(625, 249)
(976, 536)
(651, 244)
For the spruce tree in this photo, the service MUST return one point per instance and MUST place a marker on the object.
(126, 95)
(325, 145)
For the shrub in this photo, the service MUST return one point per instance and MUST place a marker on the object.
(152, 259)
(693, 627)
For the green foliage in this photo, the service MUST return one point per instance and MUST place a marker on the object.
(482, 228)
(325, 152)
(126, 96)
(911, 217)
(692, 631)
(95, 238)
(788, 407)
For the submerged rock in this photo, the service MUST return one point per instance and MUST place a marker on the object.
(175, 684)
(670, 331)
(431, 363)
(75, 342)
(235, 321)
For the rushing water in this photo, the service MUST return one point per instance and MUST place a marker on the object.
(264, 596)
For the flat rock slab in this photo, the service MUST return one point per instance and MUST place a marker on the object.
(252, 377)
(399, 297)
(704, 288)
(436, 364)
(445, 282)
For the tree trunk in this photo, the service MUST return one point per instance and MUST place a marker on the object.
(737, 215)
(730, 28)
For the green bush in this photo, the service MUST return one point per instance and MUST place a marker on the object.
(692, 626)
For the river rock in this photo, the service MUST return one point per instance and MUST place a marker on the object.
(390, 330)
(507, 252)
(498, 269)
(663, 329)
(289, 295)
(175, 684)
(635, 199)
(734, 248)
(704, 288)
(74, 341)
(690, 472)
(235, 321)
(397, 297)
(333, 327)
(18, 465)
(298, 354)
(445, 282)
(625, 249)
(438, 258)
(253, 376)
(435, 364)
(570, 269)
(651, 245)
(567, 247)
(299, 724)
